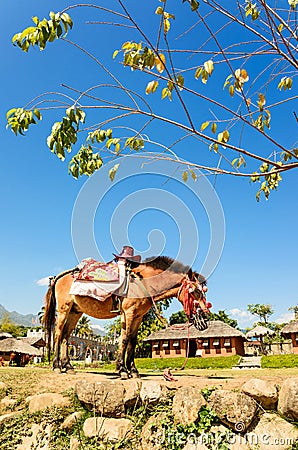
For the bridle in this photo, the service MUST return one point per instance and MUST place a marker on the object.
(195, 305)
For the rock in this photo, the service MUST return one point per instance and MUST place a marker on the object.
(272, 432)
(153, 392)
(288, 398)
(7, 402)
(104, 397)
(8, 416)
(132, 392)
(234, 409)
(215, 438)
(3, 390)
(152, 435)
(40, 402)
(39, 439)
(74, 444)
(72, 420)
(264, 392)
(108, 429)
(186, 405)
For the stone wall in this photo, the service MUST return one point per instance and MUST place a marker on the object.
(260, 415)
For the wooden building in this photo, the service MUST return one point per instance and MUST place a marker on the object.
(219, 339)
(291, 331)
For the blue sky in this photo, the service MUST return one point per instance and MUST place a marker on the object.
(259, 260)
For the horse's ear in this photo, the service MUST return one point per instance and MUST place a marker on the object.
(190, 273)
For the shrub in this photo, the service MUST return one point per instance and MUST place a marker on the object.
(279, 361)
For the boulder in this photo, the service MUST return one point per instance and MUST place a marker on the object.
(103, 397)
(7, 402)
(288, 398)
(272, 432)
(71, 420)
(132, 392)
(186, 405)
(264, 392)
(8, 416)
(39, 402)
(107, 429)
(234, 409)
(152, 435)
(74, 444)
(217, 437)
(153, 392)
(39, 438)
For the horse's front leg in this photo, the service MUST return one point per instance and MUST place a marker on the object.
(120, 363)
(131, 347)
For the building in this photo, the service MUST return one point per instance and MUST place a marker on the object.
(219, 339)
(291, 331)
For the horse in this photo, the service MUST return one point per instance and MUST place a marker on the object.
(150, 281)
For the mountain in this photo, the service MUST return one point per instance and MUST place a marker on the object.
(28, 320)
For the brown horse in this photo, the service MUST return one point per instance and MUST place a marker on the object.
(151, 281)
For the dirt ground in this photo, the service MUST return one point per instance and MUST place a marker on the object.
(26, 381)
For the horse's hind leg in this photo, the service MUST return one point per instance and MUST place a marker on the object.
(70, 325)
(63, 312)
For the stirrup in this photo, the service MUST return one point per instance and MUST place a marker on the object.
(115, 305)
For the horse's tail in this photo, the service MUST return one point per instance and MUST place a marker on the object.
(49, 316)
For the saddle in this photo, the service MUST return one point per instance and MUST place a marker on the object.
(98, 271)
(100, 280)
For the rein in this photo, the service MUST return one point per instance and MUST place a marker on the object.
(157, 312)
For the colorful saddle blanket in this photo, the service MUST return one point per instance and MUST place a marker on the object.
(97, 279)
(98, 271)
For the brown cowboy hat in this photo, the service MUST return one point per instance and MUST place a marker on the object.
(127, 252)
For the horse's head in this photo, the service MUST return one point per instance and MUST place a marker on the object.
(193, 296)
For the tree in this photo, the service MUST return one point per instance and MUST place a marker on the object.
(295, 311)
(7, 326)
(83, 328)
(261, 310)
(223, 316)
(228, 72)
(178, 317)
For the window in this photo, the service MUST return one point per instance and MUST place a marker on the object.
(165, 344)
(176, 345)
(205, 343)
(156, 345)
(227, 342)
(216, 342)
(297, 337)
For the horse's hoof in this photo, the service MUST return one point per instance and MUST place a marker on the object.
(124, 376)
(56, 370)
(70, 371)
(135, 375)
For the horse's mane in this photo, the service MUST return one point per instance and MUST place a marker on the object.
(167, 263)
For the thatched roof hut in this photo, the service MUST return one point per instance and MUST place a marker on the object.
(18, 346)
(290, 328)
(216, 328)
(259, 331)
(37, 342)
